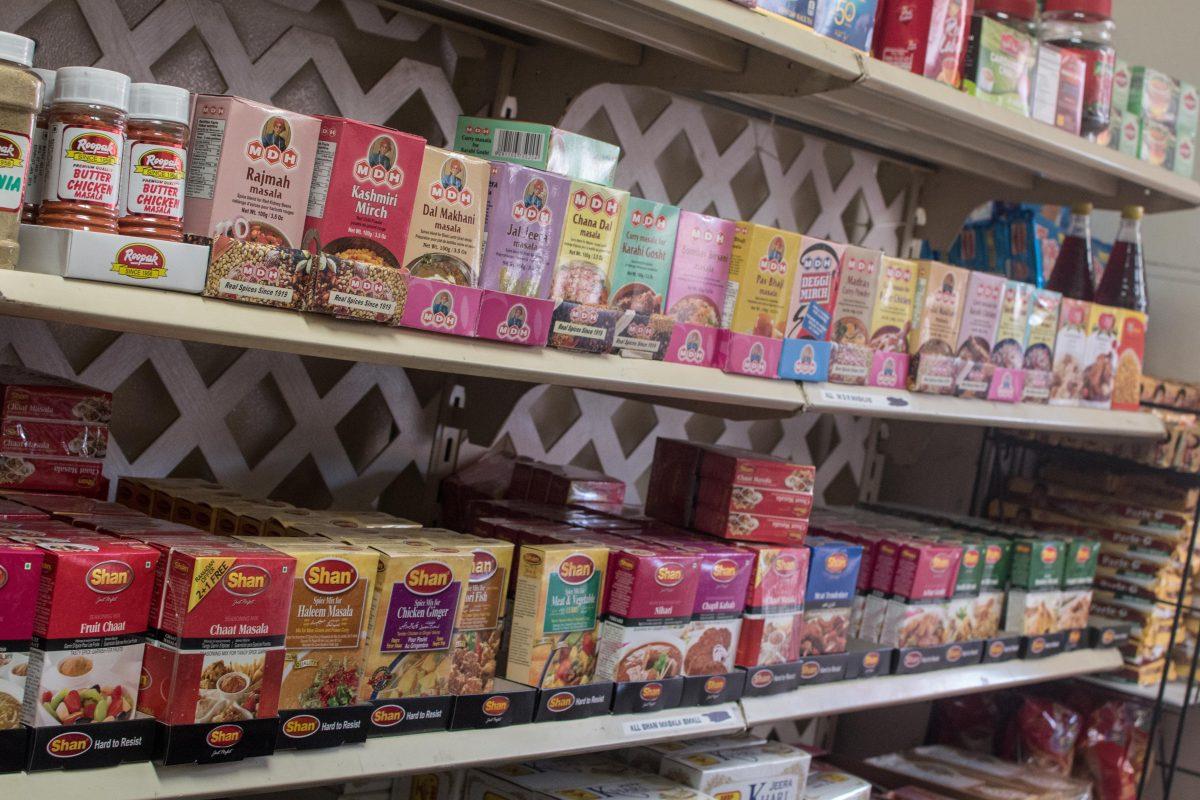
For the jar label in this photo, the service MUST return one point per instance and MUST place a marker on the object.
(153, 182)
(88, 165)
(37, 167)
(14, 159)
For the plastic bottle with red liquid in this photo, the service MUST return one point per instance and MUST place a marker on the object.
(1072, 275)
(1124, 282)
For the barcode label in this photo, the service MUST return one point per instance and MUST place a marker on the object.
(518, 144)
(683, 722)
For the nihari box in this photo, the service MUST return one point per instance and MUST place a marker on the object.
(89, 632)
(891, 322)
(590, 234)
(526, 210)
(858, 292)
(941, 296)
(554, 637)
(814, 290)
(1040, 338)
(445, 235)
(977, 334)
(642, 271)
(20, 576)
(1008, 352)
(761, 270)
(771, 770)
(700, 269)
(539, 146)
(250, 167)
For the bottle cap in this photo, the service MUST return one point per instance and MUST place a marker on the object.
(1095, 8)
(91, 85)
(159, 102)
(1021, 9)
(49, 78)
(16, 49)
(1133, 212)
(1082, 209)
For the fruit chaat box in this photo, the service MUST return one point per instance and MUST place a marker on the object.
(555, 612)
(89, 633)
(773, 769)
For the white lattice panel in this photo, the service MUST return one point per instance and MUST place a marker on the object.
(319, 432)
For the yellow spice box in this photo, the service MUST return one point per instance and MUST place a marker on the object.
(760, 279)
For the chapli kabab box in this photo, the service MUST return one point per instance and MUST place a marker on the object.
(20, 574)
(88, 640)
(213, 667)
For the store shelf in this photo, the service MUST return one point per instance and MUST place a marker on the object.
(899, 404)
(1172, 698)
(192, 318)
(376, 758)
(840, 698)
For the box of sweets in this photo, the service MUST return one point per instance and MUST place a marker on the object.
(88, 641)
(359, 208)
(445, 243)
(1040, 339)
(696, 291)
(977, 334)
(650, 595)
(891, 322)
(1099, 364)
(213, 666)
(323, 659)
(20, 574)
(538, 146)
(526, 209)
(858, 291)
(1008, 353)
(940, 299)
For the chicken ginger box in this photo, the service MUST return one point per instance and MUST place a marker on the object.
(214, 663)
(323, 659)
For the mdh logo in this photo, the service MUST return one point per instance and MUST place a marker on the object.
(596, 203)
(140, 261)
(439, 192)
(272, 155)
(531, 213)
(365, 172)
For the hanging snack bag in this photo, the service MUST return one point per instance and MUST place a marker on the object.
(445, 236)
(526, 211)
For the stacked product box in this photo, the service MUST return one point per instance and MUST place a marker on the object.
(561, 485)
(1158, 119)
(928, 39)
(774, 610)
(829, 596)
(640, 277)
(214, 664)
(807, 350)
(977, 335)
(21, 566)
(774, 769)
(1008, 352)
(938, 312)
(858, 294)
(762, 270)
(53, 433)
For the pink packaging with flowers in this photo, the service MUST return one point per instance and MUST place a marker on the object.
(700, 272)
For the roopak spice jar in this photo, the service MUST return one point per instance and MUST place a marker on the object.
(89, 634)
(250, 172)
(445, 235)
(155, 165)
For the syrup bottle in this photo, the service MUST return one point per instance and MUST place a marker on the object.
(1072, 276)
(1124, 281)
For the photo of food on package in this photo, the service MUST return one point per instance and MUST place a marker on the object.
(87, 686)
(709, 646)
(231, 685)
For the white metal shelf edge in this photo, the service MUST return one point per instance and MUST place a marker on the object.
(834, 698)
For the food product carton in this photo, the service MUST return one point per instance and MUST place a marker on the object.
(642, 271)
(1000, 64)
(526, 210)
(1100, 356)
(1153, 95)
(851, 22)
(827, 783)
(700, 269)
(891, 322)
(977, 334)
(814, 290)
(1131, 350)
(35, 395)
(1189, 111)
(858, 291)
(829, 595)
(1070, 353)
(20, 574)
(1008, 352)
(761, 271)
(941, 297)
(800, 11)
(928, 37)
(556, 605)
(249, 172)
(1039, 563)
(778, 579)
(538, 146)
(774, 769)
(89, 632)
(1040, 338)
(1122, 83)
(445, 235)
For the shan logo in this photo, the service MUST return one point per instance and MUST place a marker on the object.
(1108, 637)
(913, 660)
(274, 145)
(836, 563)
(387, 716)
(724, 570)
(651, 692)
(224, 736)
(11, 154)
(785, 564)
(1049, 554)
(246, 580)
(483, 567)
(496, 706)
(871, 660)
(515, 328)
(140, 261)
(1083, 554)
(301, 726)
(95, 148)
(715, 685)
(145, 680)
(69, 744)
(809, 670)
(378, 166)
(954, 654)
(940, 563)
(440, 313)
(576, 569)
(994, 553)
(669, 574)
(996, 649)
(330, 576)
(560, 702)
(971, 559)
(109, 577)
(762, 679)
(1037, 646)
(432, 577)
(166, 165)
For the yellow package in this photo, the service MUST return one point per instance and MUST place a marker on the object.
(760, 279)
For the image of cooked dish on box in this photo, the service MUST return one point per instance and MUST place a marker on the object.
(567, 660)
(320, 679)
(652, 661)
(13, 669)
(425, 674)
(473, 669)
(88, 686)
(709, 646)
(230, 687)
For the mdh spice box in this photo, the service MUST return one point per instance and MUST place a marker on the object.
(218, 627)
(941, 296)
(20, 575)
(760, 275)
(1008, 352)
(445, 235)
(814, 290)
(250, 167)
(858, 292)
(891, 321)
(1040, 338)
(977, 334)
(526, 209)
(700, 269)
(89, 632)
(642, 270)
(556, 604)
(589, 243)
(419, 592)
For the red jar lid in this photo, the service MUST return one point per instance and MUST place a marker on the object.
(1095, 8)
(1021, 9)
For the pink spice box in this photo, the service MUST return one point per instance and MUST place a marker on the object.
(745, 354)
(441, 307)
(696, 292)
(513, 319)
